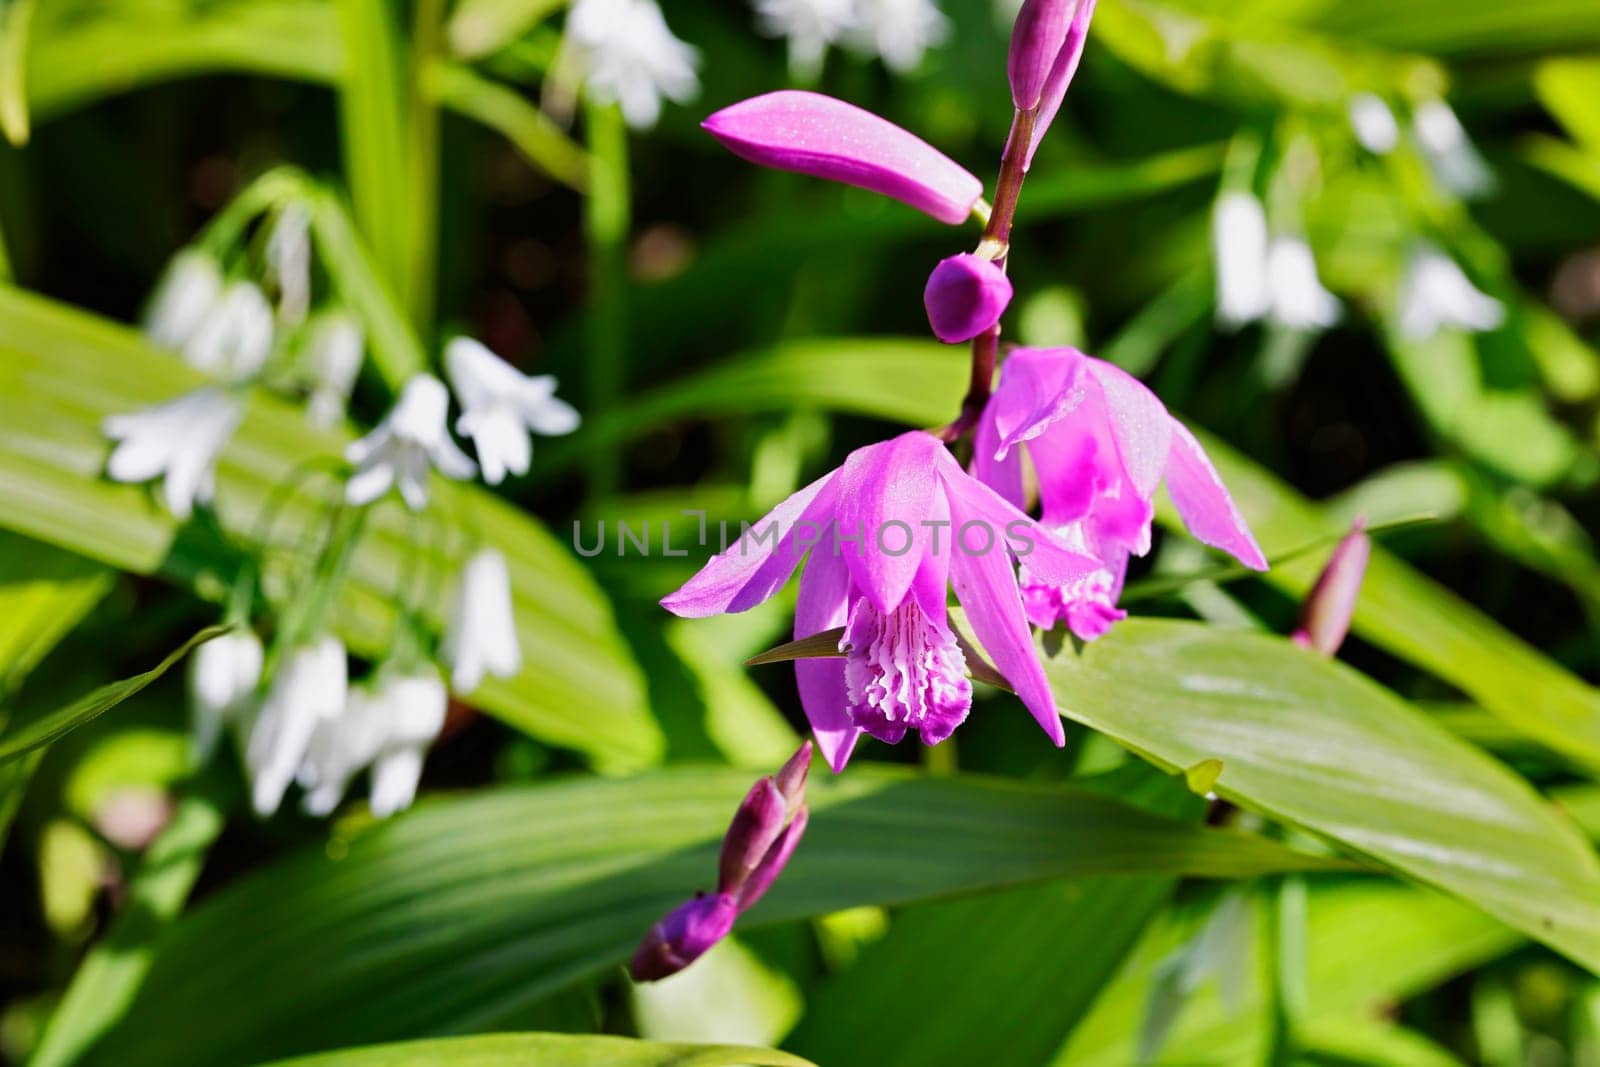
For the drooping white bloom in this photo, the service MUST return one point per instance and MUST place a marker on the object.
(311, 685)
(1374, 124)
(1450, 153)
(386, 725)
(499, 405)
(810, 26)
(400, 449)
(289, 262)
(333, 359)
(1436, 294)
(234, 338)
(482, 637)
(223, 676)
(624, 54)
(899, 31)
(1239, 251)
(1297, 299)
(413, 706)
(178, 441)
(188, 290)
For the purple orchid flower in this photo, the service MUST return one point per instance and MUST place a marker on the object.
(759, 842)
(887, 533)
(1100, 443)
(809, 133)
(1062, 70)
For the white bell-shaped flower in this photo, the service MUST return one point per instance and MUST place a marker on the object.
(1436, 294)
(624, 54)
(310, 686)
(413, 705)
(223, 676)
(339, 749)
(1297, 298)
(1239, 253)
(809, 26)
(1373, 123)
(482, 635)
(410, 438)
(289, 262)
(499, 405)
(234, 338)
(1451, 155)
(188, 290)
(332, 362)
(178, 441)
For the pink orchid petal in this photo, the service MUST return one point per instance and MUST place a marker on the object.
(1036, 40)
(761, 561)
(777, 858)
(1139, 422)
(886, 491)
(826, 138)
(1061, 74)
(822, 605)
(1204, 503)
(932, 582)
(1038, 388)
(987, 588)
(998, 469)
(972, 501)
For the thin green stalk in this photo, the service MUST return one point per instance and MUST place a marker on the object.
(607, 219)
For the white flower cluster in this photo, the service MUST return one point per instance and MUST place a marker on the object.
(1262, 276)
(624, 54)
(899, 32)
(294, 712)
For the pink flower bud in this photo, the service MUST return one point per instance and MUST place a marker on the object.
(1061, 73)
(809, 133)
(1325, 616)
(965, 295)
(1036, 40)
(773, 862)
(791, 777)
(684, 936)
(756, 825)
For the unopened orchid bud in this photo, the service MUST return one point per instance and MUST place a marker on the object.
(809, 133)
(756, 825)
(1061, 74)
(1036, 39)
(773, 862)
(684, 936)
(1325, 616)
(965, 296)
(791, 777)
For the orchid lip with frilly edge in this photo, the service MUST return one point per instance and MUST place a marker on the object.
(888, 533)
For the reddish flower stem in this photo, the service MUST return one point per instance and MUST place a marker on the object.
(996, 235)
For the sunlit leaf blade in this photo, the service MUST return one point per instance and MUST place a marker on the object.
(1312, 742)
(479, 27)
(44, 593)
(1369, 945)
(462, 914)
(547, 1050)
(62, 372)
(22, 738)
(15, 26)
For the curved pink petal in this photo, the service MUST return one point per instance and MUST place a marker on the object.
(1066, 65)
(885, 494)
(757, 565)
(826, 138)
(1013, 533)
(987, 588)
(1038, 387)
(822, 605)
(1000, 472)
(1204, 503)
(932, 582)
(1139, 422)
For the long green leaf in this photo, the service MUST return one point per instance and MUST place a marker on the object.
(14, 32)
(548, 1050)
(462, 914)
(22, 738)
(44, 594)
(479, 27)
(62, 372)
(1312, 742)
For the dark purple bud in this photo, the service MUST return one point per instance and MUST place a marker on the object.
(1061, 72)
(826, 138)
(772, 864)
(684, 936)
(965, 295)
(756, 825)
(1325, 616)
(1036, 40)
